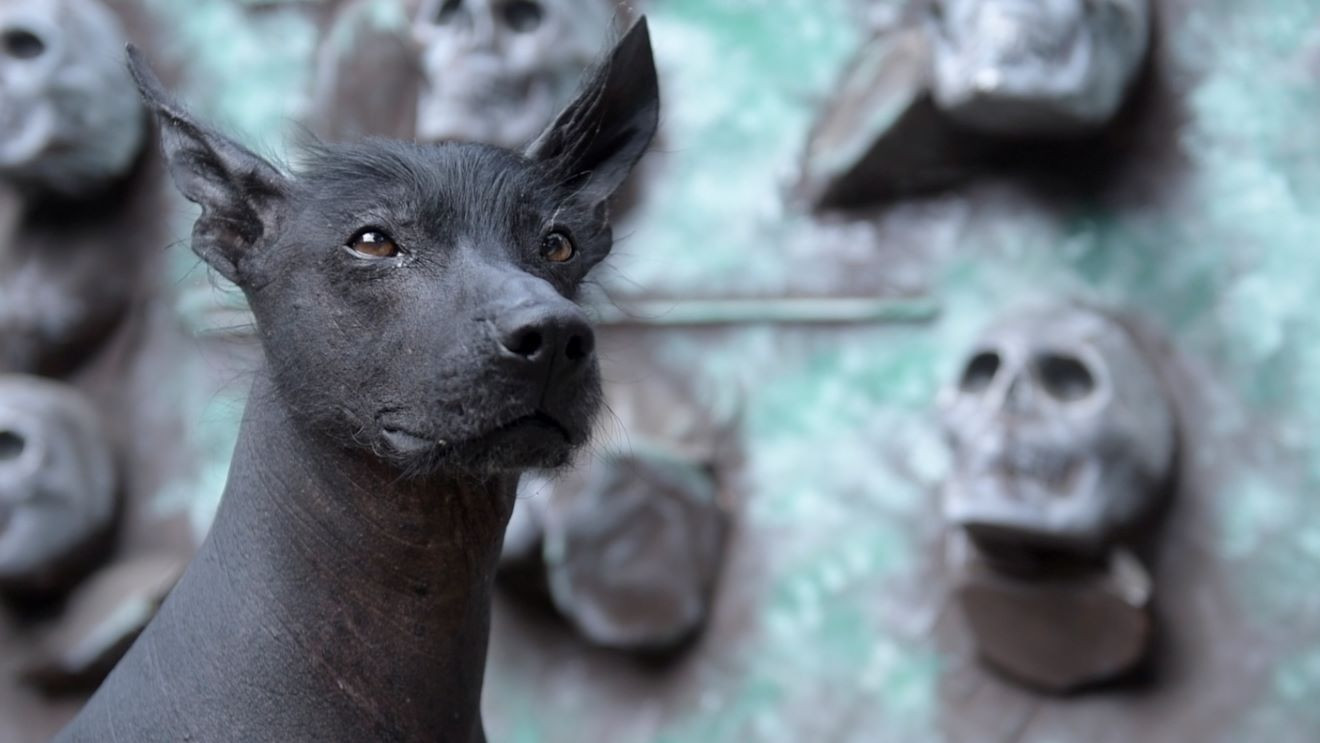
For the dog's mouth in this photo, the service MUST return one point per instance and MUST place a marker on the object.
(411, 442)
(535, 419)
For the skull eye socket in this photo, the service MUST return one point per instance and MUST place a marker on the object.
(448, 9)
(11, 446)
(1065, 378)
(523, 16)
(980, 372)
(22, 44)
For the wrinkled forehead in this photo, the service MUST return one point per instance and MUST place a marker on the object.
(420, 179)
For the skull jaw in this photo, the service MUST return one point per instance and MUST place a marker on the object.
(1010, 512)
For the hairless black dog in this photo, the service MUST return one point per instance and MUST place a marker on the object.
(422, 348)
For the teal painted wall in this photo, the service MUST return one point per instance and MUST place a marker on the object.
(843, 456)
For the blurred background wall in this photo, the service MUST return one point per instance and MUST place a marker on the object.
(831, 622)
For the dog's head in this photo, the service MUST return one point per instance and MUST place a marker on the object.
(418, 300)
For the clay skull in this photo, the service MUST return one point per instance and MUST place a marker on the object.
(57, 483)
(1061, 433)
(1037, 66)
(69, 115)
(497, 71)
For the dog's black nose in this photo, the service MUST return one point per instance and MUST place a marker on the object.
(537, 336)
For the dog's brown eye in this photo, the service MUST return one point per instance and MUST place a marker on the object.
(558, 248)
(373, 244)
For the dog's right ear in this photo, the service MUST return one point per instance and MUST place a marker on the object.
(241, 194)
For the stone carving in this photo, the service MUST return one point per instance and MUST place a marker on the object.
(58, 486)
(69, 121)
(71, 133)
(1064, 443)
(628, 549)
(956, 86)
(496, 71)
(489, 71)
(1023, 67)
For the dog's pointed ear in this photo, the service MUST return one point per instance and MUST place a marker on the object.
(240, 193)
(602, 134)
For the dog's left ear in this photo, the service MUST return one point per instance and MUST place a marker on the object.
(602, 134)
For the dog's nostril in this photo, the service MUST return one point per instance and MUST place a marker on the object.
(579, 346)
(525, 342)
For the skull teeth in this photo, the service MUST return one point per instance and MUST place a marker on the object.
(1055, 472)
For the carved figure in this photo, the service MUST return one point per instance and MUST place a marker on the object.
(628, 548)
(1024, 67)
(69, 119)
(422, 348)
(958, 86)
(1063, 443)
(496, 71)
(58, 486)
(71, 133)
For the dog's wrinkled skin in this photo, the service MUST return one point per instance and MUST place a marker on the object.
(344, 591)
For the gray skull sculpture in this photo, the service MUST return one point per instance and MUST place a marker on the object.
(1061, 432)
(1063, 442)
(58, 484)
(1037, 66)
(69, 116)
(497, 71)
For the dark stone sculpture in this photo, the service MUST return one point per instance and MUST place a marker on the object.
(496, 71)
(71, 136)
(489, 71)
(68, 121)
(1037, 67)
(1064, 443)
(59, 486)
(961, 86)
(628, 550)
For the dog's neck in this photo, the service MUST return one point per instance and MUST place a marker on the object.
(384, 582)
(332, 601)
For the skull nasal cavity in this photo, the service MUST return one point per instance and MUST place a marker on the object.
(11, 445)
(1065, 377)
(980, 371)
(22, 44)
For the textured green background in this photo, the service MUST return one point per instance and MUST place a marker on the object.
(843, 455)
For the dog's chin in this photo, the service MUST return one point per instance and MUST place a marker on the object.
(536, 440)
